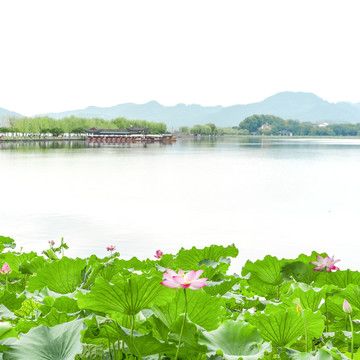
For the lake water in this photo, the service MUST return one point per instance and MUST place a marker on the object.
(280, 196)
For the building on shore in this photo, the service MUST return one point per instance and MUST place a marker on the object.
(132, 134)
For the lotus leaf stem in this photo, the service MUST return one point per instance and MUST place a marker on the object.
(182, 327)
(306, 331)
(352, 337)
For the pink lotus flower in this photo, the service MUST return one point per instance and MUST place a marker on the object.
(327, 264)
(5, 269)
(52, 242)
(158, 254)
(181, 280)
(347, 307)
(110, 248)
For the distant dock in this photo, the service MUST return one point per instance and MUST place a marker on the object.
(123, 136)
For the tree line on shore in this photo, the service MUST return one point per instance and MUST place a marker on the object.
(74, 125)
(252, 125)
(274, 125)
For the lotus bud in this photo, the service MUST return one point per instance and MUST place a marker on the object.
(347, 307)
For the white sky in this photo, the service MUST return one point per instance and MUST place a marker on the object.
(69, 54)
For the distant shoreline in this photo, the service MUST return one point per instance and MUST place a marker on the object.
(42, 140)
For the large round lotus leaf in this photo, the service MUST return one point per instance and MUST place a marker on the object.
(235, 339)
(63, 276)
(61, 342)
(125, 295)
(189, 259)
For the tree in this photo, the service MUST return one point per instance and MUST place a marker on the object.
(56, 131)
(185, 129)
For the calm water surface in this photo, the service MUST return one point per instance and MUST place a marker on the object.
(268, 196)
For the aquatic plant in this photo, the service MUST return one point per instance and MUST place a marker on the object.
(325, 264)
(180, 280)
(183, 306)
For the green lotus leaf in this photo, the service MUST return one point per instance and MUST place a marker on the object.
(341, 278)
(166, 261)
(23, 326)
(214, 270)
(352, 295)
(15, 259)
(203, 309)
(320, 355)
(32, 266)
(126, 295)
(5, 313)
(62, 304)
(52, 318)
(235, 339)
(147, 345)
(300, 268)
(27, 309)
(280, 327)
(136, 264)
(7, 330)
(220, 287)
(55, 318)
(61, 342)
(6, 242)
(66, 305)
(189, 259)
(265, 275)
(238, 302)
(309, 297)
(12, 301)
(51, 254)
(100, 331)
(125, 321)
(299, 271)
(314, 323)
(190, 338)
(63, 276)
(334, 307)
(158, 328)
(92, 352)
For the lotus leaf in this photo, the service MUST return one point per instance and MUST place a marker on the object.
(63, 276)
(236, 339)
(61, 342)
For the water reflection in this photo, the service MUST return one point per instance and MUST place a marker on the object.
(42, 145)
(71, 144)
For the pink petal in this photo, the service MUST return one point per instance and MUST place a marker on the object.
(320, 258)
(181, 272)
(170, 284)
(168, 277)
(185, 286)
(178, 279)
(171, 272)
(190, 276)
(195, 285)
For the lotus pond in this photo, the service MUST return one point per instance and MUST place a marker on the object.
(175, 306)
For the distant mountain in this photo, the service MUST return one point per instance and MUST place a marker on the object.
(5, 115)
(288, 105)
(177, 115)
(292, 105)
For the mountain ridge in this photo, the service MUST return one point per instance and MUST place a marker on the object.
(302, 106)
